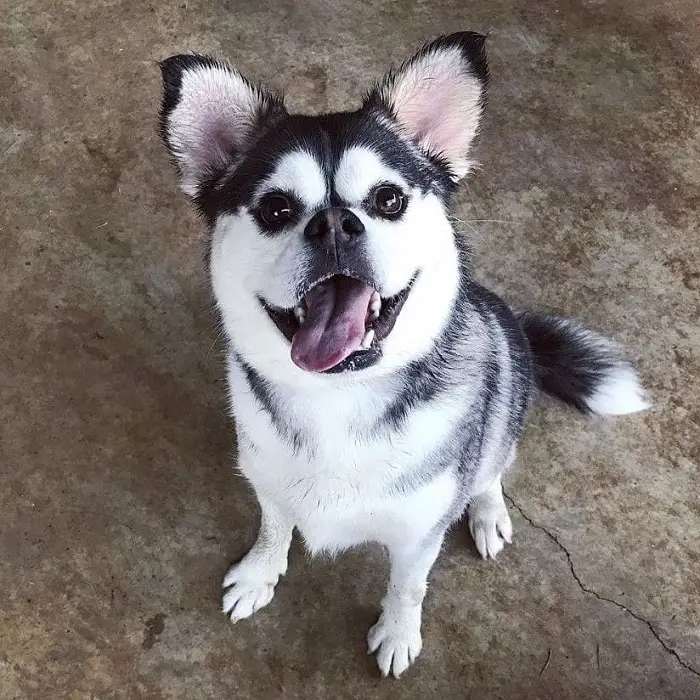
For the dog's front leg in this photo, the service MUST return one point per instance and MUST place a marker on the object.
(250, 584)
(396, 636)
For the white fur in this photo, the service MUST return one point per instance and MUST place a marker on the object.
(489, 522)
(333, 489)
(251, 582)
(361, 169)
(336, 491)
(299, 173)
(619, 393)
(396, 636)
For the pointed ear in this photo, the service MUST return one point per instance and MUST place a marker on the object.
(437, 97)
(210, 115)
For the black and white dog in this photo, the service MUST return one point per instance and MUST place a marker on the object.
(378, 391)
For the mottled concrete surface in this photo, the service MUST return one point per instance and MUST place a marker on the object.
(119, 511)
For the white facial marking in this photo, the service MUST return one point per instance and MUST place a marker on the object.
(298, 172)
(359, 170)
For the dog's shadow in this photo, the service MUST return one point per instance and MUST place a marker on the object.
(316, 625)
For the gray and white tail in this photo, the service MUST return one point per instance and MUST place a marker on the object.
(580, 367)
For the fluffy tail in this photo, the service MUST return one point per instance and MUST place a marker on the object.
(580, 367)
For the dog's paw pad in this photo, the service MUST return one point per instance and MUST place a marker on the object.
(397, 642)
(490, 526)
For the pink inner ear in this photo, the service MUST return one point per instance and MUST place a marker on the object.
(218, 139)
(212, 121)
(435, 99)
(438, 103)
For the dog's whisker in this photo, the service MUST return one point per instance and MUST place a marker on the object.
(216, 340)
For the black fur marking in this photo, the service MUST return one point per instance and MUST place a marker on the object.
(521, 385)
(326, 138)
(265, 397)
(463, 447)
(473, 48)
(421, 383)
(470, 435)
(427, 378)
(424, 379)
(570, 362)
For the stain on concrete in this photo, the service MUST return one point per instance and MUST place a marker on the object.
(153, 628)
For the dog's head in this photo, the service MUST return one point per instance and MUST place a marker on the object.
(331, 247)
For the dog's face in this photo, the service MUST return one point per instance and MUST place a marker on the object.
(331, 247)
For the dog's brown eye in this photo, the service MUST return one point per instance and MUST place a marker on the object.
(275, 211)
(389, 201)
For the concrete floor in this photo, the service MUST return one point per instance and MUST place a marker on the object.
(118, 509)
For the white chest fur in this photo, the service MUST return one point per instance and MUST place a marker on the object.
(319, 461)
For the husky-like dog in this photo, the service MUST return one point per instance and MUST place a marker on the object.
(378, 391)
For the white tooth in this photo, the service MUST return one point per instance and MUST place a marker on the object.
(300, 313)
(367, 340)
(375, 305)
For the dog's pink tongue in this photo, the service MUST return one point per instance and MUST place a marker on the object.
(335, 324)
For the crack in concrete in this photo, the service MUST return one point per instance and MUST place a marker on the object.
(590, 591)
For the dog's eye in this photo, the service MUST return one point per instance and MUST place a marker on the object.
(389, 201)
(275, 211)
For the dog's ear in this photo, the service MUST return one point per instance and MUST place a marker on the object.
(209, 116)
(437, 97)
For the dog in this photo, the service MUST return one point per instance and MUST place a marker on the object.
(378, 391)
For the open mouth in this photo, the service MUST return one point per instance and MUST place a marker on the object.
(339, 324)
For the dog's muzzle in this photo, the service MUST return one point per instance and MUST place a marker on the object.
(340, 319)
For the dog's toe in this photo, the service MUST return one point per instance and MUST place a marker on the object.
(490, 526)
(245, 598)
(249, 586)
(396, 639)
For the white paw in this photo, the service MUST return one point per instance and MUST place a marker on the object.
(490, 525)
(396, 639)
(250, 585)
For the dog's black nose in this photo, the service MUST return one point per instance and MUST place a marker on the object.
(335, 222)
